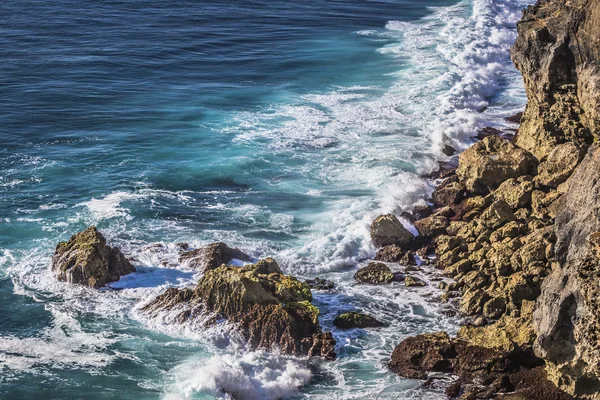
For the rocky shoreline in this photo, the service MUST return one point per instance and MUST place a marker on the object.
(516, 225)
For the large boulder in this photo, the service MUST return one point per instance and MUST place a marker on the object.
(387, 230)
(488, 163)
(271, 310)
(86, 259)
(566, 318)
(212, 256)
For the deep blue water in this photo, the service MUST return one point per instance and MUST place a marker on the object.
(277, 127)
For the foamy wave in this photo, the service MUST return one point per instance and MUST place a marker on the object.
(253, 375)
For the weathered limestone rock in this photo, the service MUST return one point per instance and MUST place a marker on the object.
(515, 192)
(212, 256)
(432, 226)
(497, 214)
(350, 320)
(559, 166)
(374, 273)
(412, 281)
(566, 319)
(86, 259)
(418, 355)
(271, 310)
(390, 253)
(387, 230)
(557, 53)
(486, 164)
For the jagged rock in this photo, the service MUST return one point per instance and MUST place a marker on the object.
(386, 230)
(319, 284)
(432, 226)
(497, 215)
(566, 319)
(494, 308)
(559, 166)
(557, 53)
(270, 309)
(421, 211)
(350, 320)
(515, 192)
(486, 164)
(374, 273)
(448, 194)
(412, 281)
(390, 253)
(416, 356)
(86, 259)
(212, 256)
(408, 260)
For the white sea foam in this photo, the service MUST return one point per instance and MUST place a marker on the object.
(251, 375)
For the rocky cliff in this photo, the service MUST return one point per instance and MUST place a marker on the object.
(517, 225)
(558, 53)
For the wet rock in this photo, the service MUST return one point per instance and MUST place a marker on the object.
(408, 260)
(271, 310)
(448, 150)
(486, 164)
(416, 356)
(350, 320)
(319, 284)
(448, 194)
(212, 256)
(387, 230)
(421, 211)
(559, 166)
(515, 119)
(86, 259)
(374, 273)
(390, 253)
(412, 281)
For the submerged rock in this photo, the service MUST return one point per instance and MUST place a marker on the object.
(413, 281)
(351, 320)
(386, 230)
(272, 310)
(212, 256)
(86, 259)
(374, 273)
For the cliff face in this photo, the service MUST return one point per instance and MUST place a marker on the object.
(558, 53)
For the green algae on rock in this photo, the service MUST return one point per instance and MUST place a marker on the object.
(86, 259)
(271, 310)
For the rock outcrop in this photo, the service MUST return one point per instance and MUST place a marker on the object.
(375, 273)
(567, 318)
(212, 256)
(558, 53)
(271, 310)
(86, 259)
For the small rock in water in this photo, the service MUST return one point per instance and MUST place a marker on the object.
(386, 230)
(374, 273)
(413, 281)
(212, 256)
(319, 284)
(86, 259)
(351, 320)
(390, 253)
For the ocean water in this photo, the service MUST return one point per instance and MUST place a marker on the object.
(282, 128)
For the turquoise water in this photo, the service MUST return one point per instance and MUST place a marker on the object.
(279, 128)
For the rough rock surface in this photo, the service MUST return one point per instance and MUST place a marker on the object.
(486, 164)
(351, 320)
(558, 53)
(272, 310)
(374, 273)
(387, 230)
(212, 256)
(86, 259)
(567, 319)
